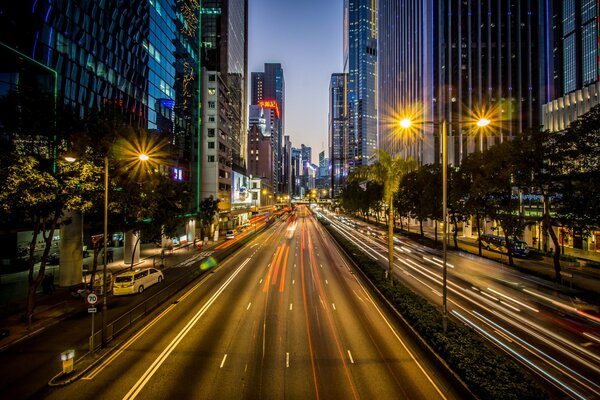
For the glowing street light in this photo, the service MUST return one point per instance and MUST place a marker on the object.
(405, 124)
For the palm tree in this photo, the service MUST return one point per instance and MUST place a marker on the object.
(388, 172)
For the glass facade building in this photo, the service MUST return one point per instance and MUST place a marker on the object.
(572, 68)
(95, 48)
(360, 62)
(457, 61)
(270, 85)
(338, 138)
(224, 60)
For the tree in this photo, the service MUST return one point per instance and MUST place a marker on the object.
(209, 208)
(500, 164)
(33, 194)
(458, 193)
(477, 198)
(387, 171)
(413, 191)
(350, 197)
(431, 178)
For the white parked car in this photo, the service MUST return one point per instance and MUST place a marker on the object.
(136, 281)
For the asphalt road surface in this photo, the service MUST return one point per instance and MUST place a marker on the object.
(284, 318)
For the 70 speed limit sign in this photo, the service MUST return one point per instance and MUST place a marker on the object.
(92, 298)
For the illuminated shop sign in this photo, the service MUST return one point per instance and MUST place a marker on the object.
(272, 104)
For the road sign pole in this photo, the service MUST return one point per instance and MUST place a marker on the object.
(92, 299)
(92, 336)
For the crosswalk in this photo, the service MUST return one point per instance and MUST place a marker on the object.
(194, 260)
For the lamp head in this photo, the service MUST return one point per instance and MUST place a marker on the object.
(405, 123)
(483, 122)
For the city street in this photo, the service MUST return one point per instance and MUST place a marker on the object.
(548, 331)
(285, 317)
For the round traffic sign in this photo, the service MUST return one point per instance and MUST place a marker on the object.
(92, 298)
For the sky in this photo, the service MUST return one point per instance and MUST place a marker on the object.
(306, 38)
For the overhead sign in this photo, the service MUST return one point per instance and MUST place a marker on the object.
(271, 104)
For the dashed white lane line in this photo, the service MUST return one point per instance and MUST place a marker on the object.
(225, 358)
(350, 355)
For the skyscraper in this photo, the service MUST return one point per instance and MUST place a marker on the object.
(457, 61)
(570, 84)
(268, 90)
(224, 58)
(338, 133)
(360, 62)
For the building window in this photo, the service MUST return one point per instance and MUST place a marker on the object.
(211, 118)
(211, 145)
(212, 78)
(211, 158)
(211, 104)
(211, 132)
(212, 91)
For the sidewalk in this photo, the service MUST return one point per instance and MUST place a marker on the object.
(52, 308)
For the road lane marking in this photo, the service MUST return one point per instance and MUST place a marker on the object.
(290, 306)
(326, 282)
(139, 385)
(223, 362)
(249, 304)
(126, 345)
(350, 355)
(287, 360)
(333, 304)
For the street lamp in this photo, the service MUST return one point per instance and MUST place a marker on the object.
(405, 124)
(141, 157)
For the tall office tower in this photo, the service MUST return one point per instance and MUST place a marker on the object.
(360, 62)
(90, 50)
(224, 58)
(296, 157)
(571, 84)
(457, 61)
(287, 165)
(307, 165)
(338, 133)
(260, 152)
(323, 176)
(268, 90)
(137, 55)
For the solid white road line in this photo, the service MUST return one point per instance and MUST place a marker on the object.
(139, 385)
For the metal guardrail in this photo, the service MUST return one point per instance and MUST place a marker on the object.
(126, 320)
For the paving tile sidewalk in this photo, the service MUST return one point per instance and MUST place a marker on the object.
(62, 302)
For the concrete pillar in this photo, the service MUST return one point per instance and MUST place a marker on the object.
(131, 238)
(71, 249)
(467, 229)
(528, 235)
(190, 230)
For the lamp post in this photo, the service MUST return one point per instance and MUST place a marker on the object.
(141, 157)
(405, 124)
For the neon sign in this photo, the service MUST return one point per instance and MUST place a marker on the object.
(272, 104)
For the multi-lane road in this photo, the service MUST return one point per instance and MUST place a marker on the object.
(285, 317)
(542, 326)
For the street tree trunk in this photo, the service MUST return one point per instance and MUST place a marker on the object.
(548, 230)
(34, 281)
(455, 233)
(478, 235)
(508, 249)
(391, 240)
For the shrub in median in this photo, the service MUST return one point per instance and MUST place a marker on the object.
(488, 374)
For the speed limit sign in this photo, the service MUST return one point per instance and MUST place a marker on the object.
(92, 298)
